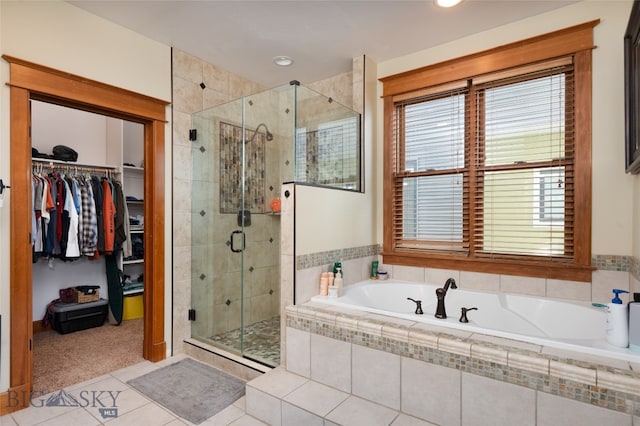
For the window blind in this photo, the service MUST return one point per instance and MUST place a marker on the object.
(487, 169)
(431, 172)
(524, 166)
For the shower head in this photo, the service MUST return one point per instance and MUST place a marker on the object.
(269, 135)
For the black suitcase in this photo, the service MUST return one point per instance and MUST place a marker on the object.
(70, 317)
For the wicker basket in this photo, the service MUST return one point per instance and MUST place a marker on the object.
(84, 298)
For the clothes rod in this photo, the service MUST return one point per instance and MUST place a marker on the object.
(57, 164)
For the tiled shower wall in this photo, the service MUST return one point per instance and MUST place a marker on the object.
(198, 85)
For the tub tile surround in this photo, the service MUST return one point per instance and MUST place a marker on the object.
(612, 272)
(419, 365)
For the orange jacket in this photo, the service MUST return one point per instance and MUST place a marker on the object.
(108, 215)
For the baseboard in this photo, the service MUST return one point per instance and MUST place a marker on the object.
(235, 365)
(38, 327)
(14, 399)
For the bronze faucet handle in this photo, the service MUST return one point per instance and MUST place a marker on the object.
(418, 306)
(463, 315)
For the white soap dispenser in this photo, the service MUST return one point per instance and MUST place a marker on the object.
(618, 321)
(338, 280)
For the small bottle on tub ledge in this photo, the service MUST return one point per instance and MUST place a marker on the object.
(618, 321)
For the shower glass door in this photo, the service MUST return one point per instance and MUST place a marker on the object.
(235, 259)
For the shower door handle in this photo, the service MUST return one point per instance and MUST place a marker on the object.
(232, 238)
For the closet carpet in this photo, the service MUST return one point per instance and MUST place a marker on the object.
(61, 360)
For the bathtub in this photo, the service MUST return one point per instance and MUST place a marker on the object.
(555, 323)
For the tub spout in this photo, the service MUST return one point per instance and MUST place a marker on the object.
(418, 306)
(441, 292)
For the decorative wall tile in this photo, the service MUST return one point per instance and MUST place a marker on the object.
(340, 255)
(231, 169)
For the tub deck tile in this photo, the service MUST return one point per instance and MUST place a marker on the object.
(618, 380)
(420, 338)
(487, 353)
(449, 344)
(367, 326)
(346, 322)
(437, 329)
(395, 333)
(588, 358)
(508, 343)
(572, 372)
(326, 317)
(527, 362)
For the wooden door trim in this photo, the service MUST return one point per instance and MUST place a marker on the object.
(32, 81)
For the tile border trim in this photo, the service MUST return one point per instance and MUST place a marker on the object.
(604, 262)
(306, 261)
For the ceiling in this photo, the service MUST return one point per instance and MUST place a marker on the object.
(321, 36)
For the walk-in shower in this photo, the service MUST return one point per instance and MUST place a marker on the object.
(243, 151)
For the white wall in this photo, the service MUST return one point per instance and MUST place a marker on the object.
(61, 36)
(612, 231)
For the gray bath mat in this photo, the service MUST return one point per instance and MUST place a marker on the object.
(192, 390)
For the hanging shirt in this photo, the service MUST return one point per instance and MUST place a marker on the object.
(72, 248)
(89, 219)
(108, 216)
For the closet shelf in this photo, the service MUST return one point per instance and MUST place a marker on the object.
(133, 169)
(133, 292)
(132, 262)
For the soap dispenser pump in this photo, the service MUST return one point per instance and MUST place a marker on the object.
(618, 321)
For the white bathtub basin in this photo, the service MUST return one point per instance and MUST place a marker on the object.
(548, 322)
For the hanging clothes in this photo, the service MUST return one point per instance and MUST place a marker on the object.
(75, 215)
(108, 215)
(89, 233)
(121, 221)
(72, 251)
(96, 185)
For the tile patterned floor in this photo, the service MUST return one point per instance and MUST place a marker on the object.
(261, 341)
(97, 397)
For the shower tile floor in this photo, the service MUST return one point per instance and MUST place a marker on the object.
(261, 341)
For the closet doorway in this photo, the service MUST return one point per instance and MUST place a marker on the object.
(29, 81)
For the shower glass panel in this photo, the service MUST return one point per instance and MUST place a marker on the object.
(242, 153)
(235, 289)
(327, 142)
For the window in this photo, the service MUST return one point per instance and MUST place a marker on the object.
(487, 170)
(548, 197)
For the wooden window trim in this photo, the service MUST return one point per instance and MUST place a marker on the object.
(576, 41)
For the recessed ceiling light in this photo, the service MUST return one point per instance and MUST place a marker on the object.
(446, 3)
(282, 61)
